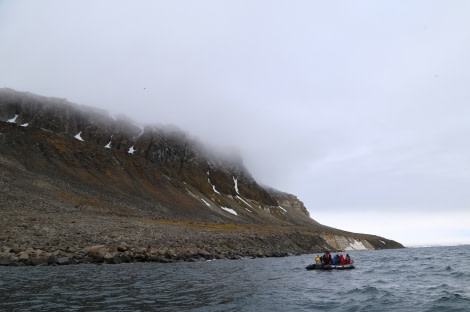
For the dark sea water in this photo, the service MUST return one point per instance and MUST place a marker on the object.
(412, 279)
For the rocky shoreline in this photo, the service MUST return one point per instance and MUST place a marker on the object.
(115, 254)
(44, 235)
(77, 236)
(190, 247)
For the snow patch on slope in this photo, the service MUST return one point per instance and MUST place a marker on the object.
(78, 136)
(235, 180)
(215, 191)
(244, 201)
(13, 120)
(213, 186)
(230, 210)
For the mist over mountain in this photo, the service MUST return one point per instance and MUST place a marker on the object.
(60, 158)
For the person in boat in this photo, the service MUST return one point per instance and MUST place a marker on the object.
(317, 260)
(336, 259)
(341, 259)
(327, 258)
(347, 260)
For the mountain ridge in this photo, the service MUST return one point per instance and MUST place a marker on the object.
(76, 158)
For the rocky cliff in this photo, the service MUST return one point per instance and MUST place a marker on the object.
(65, 166)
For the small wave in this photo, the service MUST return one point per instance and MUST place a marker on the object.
(430, 268)
(368, 292)
(363, 290)
(451, 302)
(439, 287)
(460, 275)
(450, 297)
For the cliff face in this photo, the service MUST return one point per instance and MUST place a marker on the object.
(116, 154)
(57, 156)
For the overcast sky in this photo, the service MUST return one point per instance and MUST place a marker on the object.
(359, 108)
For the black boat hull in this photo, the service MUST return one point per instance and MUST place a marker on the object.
(314, 266)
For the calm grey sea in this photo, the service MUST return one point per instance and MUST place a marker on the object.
(412, 279)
